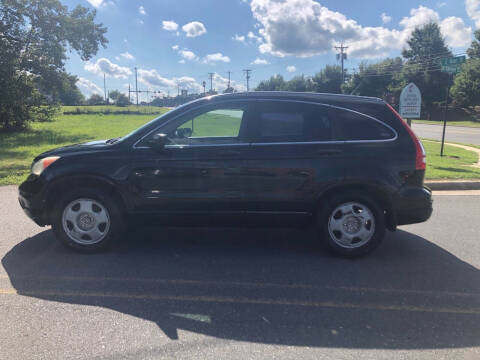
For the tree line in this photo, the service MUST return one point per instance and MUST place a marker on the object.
(419, 63)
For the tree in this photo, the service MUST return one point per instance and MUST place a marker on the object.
(114, 94)
(466, 87)
(95, 99)
(426, 47)
(328, 80)
(275, 83)
(299, 83)
(474, 50)
(122, 100)
(34, 36)
(60, 88)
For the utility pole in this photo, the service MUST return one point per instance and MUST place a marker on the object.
(342, 56)
(229, 72)
(136, 84)
(104, 88)
(247, 76)
(211, 81)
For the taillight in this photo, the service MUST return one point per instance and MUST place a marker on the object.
(420, 157)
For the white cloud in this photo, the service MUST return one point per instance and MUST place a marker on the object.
(141, 10)
(239, 38)
(254, 37)
(220, 83)
(181, 61)
(455, 32)
(169, 25)
(211, 58)
(187, 54)
(291, 68)
(441, 4)
(88, 87)
(175, 47)
(127, 55)
(473, 10)
(385, 18)
(154, 80)
(194, 29)
(95, 3)
(305, 28)
(105, 66)
(259, 61)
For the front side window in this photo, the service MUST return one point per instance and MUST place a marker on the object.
(221, 125)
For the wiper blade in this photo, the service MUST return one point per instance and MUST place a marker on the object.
(113, 140)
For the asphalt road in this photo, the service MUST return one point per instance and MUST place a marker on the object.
(242, 293)
(460, 134)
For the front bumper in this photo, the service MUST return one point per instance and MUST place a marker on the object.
(413, 205)
(32, 200)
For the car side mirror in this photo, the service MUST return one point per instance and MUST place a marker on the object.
(158, 141)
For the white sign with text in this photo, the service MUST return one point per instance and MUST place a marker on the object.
(410, 102)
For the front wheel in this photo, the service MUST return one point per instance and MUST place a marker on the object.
(352, 225)
(86, 221)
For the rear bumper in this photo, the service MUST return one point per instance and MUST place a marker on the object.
(31, 199)
(413, 205)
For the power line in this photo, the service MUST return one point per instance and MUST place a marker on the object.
(211, 75)
(247, 76)
(342, 56)
(104, 88)
(136, 84)
(229, 72)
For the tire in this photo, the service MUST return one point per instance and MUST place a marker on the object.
(351, 225)
(87, 220)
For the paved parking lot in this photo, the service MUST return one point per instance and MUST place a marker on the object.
(238, 293)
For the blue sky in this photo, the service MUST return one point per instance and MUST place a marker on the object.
(178, 42)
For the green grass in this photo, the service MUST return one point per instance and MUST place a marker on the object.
(17, 150)
(111, 109)
(474, 124)
(453, 165)
(212, 124)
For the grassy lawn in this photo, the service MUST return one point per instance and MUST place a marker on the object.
(18, 149)
(454, 165)
(449, 123)
(111, 109)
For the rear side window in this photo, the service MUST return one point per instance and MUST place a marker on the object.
(280, 121)
(351, 126)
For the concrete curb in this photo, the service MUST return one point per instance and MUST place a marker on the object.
(437, 185)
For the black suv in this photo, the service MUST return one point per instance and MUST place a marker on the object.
(349, 165)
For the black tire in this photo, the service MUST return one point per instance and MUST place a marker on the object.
(116, 225)
(329, 207)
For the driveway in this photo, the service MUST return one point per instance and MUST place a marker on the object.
(239, 293)
(460, 134)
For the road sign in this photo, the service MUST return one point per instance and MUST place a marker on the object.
(452, 65)
(410, 102)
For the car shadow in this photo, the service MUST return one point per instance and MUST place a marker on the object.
(271, 286)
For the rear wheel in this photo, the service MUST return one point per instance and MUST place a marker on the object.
(351, 225)
(87, 220)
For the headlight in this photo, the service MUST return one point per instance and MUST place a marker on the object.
(42, 164)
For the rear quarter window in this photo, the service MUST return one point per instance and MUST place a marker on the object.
(351, 126)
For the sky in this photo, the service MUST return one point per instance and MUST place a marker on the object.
(177, 43)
